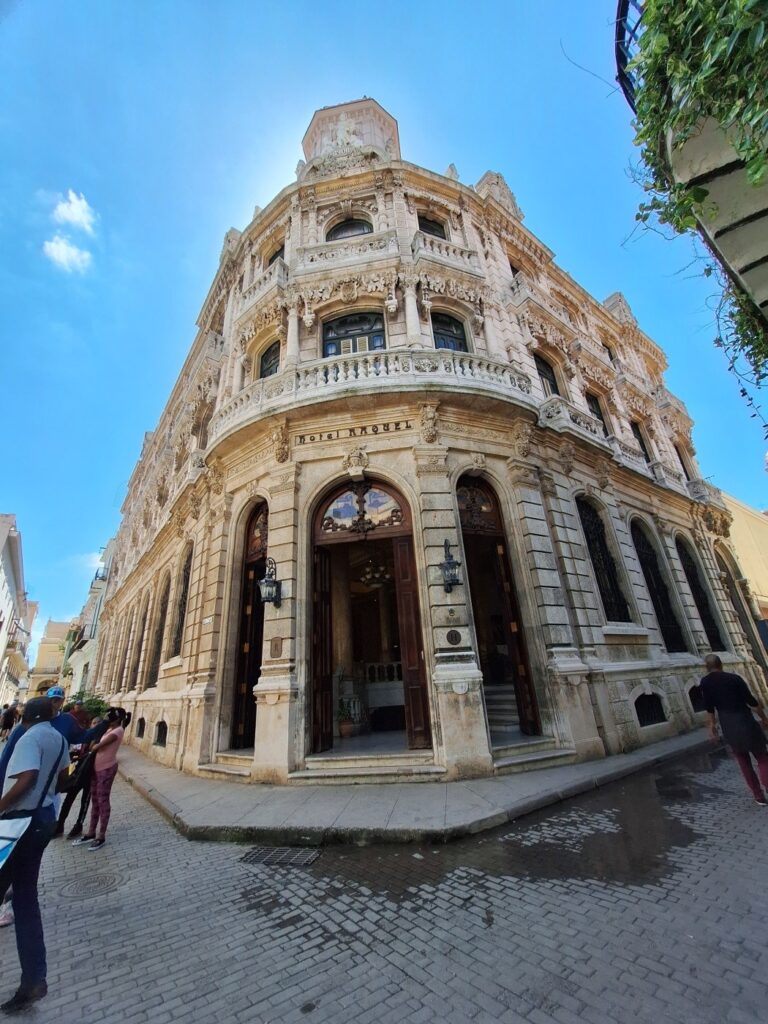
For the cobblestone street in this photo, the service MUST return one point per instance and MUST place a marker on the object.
(643, 902)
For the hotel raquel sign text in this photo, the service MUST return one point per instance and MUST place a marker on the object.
(367, 430)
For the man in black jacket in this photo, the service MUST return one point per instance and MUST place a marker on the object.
(727, 694)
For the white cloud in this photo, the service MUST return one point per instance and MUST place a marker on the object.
(67, 256)
(75, 210)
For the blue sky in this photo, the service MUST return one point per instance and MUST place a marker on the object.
(172, 119)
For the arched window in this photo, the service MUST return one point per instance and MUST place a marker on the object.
(700, 596)
(349, 228)
(181, 607)
(360, 508)
(269, 362)
(696, 697)
(356, 332)
(431, 227)
(157, 641)
(637, 433)
(547, 376)
(138, 646)
(670, 628)
(141, 726)
(649, 709)
(449, 332)
(596, 408)
(161, 734)
(124, 654)
(278, 254)
(614, 603)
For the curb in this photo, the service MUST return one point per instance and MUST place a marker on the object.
(328, 836)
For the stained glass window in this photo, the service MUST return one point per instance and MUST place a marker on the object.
(608, 583)
(478, 511)
(360, 509)
(700, 597)
(258, 533)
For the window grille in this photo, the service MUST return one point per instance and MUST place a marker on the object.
(700, 597)
(670, 628)
(614, 603)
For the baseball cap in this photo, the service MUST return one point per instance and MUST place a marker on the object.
(56, 691)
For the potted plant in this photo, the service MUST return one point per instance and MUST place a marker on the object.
(344, 718)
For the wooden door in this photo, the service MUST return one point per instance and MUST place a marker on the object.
(411, 646)
(524, 692)
(248, 658)
(322, 653)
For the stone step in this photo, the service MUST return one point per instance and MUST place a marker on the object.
(368, 774)
(521, 745)
(407, 758)
(533, 761)
(223, 771)
(234, 759)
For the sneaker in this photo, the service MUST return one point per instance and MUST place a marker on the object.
(97, 844)
(24, 997)
(761, 801)
(6, 916)
(83, 840)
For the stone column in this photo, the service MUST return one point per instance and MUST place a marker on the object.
(292, 337)
(412, 322)
(493, 341)
(459, 729)
(279, 718)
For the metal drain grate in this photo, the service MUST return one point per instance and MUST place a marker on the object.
(281, 856)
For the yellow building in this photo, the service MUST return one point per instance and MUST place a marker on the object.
(749, 537)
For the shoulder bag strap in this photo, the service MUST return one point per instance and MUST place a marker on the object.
(56, 764)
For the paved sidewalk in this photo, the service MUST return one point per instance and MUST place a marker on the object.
(375, 813)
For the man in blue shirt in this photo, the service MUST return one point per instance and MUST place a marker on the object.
(41, 756)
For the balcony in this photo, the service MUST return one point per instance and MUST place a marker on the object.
(395, 371)
(525, 292)
(438, 250)
(274, 278)
(379, 245)
(558, 414)
(700, 490)
(101, 575)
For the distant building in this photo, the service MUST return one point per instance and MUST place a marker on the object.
(82, 641)
(415, 484)
(16, 613)
(749, 539)
(46, 671)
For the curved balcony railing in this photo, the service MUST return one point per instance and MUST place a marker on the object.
(358, 249)
(327, 379)
(275, 276)
(446, 253)
(629, 14)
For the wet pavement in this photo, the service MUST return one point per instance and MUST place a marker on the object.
(643, 901)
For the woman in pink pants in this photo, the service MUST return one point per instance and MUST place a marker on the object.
(105, 770)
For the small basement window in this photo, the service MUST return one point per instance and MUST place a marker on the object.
(141, 726)
(161, 734)
(649, 709)
(696, 697)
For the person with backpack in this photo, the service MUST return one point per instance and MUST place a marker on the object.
(27, 817)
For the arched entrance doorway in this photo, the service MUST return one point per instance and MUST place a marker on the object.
(510, 698)
(368, 675)
(251, 633)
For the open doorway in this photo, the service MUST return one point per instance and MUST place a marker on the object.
(251, 633)
(368, 678)
(510, 697)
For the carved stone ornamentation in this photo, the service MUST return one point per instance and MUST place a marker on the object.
(355, 462)
(280, 444)
(522, 434)
(195, 504)
(603, 473)
(428, 423)
(567, 457)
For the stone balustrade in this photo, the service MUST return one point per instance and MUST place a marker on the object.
(523, 290)
(447, 253)
(559, 414)
(360, 249)
(326, 379)
(275, 276)
(700, 490)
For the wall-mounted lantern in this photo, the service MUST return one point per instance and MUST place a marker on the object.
(271, 587)
(450, 570)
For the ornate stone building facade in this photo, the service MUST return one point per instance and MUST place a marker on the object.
(418, 505)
